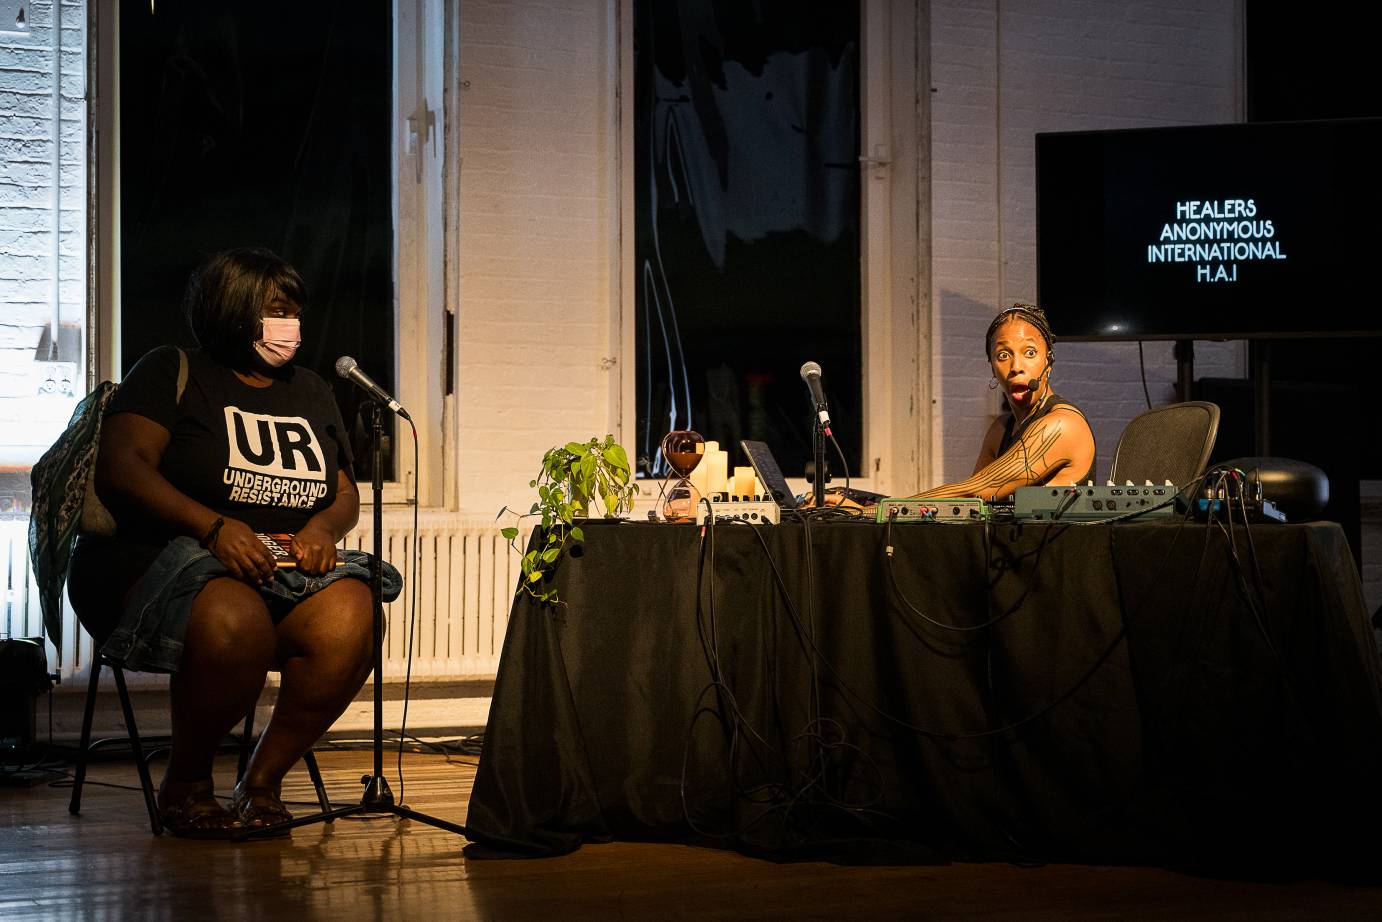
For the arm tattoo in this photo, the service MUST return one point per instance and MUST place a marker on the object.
(1029, 460)
(1026, 460)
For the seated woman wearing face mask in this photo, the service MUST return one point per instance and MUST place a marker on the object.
(250, 444)
(1041, 439)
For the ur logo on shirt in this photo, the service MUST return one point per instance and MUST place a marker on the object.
(275, 446)
(274, 460)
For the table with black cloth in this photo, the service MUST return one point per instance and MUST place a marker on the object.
(1126, 693)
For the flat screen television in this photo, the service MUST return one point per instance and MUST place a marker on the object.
(1211, 232)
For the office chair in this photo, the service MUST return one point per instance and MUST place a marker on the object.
(1166, 443)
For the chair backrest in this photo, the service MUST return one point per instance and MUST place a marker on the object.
(1167, 443)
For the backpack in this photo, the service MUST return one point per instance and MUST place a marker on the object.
(65, 503)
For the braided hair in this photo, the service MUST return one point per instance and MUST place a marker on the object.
(1030, 313)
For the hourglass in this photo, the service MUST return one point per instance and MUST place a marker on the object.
(683, 450)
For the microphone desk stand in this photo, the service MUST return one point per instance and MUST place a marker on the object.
(818, 450)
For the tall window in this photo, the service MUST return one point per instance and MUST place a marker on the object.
(243, 126)
(747, 201)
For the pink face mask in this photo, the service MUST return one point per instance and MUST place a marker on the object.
(280, 340)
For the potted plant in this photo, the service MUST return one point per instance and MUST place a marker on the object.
(572, 477)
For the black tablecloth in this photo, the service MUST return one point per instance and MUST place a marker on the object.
(1131, 693)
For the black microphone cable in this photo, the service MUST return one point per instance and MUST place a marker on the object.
(784, 788)
(412, 613)
(843, 463)
(1142, 366)
(963, 629)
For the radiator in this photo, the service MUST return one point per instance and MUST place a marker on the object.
(463, 579)
(21, 616)
(463, 574)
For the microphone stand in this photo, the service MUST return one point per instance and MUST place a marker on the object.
(818, 446)
(378, 797)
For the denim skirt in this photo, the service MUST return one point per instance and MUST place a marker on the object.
(153, 613)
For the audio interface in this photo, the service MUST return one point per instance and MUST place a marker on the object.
(944, 509)
(1092, 503)
(755, 512)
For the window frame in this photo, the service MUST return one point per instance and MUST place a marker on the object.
(895, 310)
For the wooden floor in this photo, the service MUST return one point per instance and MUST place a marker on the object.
(106, 865)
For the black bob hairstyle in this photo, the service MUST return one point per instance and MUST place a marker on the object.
(226, 296)
(1030, 313)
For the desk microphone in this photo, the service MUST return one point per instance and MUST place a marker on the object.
(349, 369)
(811, 374)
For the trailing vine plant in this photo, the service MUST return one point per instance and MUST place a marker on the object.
(572, 477)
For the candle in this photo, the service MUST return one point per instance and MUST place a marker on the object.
(743, 482)
(700, 477)
(717, 473)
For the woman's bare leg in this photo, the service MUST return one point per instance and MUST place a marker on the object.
(227, 654)
(324, 655)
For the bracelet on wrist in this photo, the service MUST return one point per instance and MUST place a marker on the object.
(210, 537)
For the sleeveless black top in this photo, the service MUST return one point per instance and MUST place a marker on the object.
(1011, 435)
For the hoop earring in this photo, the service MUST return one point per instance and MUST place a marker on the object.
(993, 383)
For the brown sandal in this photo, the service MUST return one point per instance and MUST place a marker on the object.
(260, 808)
(199, 815)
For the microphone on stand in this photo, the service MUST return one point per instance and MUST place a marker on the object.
(349, 369)
(811, 374)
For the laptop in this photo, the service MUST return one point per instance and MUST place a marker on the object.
(769, 474)
(765, 466)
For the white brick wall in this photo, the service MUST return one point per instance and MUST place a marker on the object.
(539, 228)
(1003, 72)
(30, 421)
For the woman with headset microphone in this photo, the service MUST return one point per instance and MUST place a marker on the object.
(1042, 439)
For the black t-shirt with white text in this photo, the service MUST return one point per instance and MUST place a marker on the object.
(268, 456)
